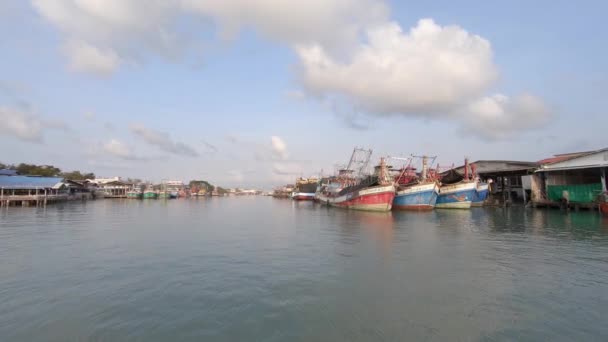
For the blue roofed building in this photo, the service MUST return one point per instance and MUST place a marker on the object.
(28, 190)
(8, 172)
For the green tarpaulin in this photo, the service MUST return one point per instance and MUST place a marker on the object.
(581, 193)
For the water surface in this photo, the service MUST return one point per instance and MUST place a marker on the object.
(260, 269)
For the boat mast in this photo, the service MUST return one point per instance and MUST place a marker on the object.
(359, 161)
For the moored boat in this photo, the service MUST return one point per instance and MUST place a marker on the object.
(371, 193)
(604, 204)
(459, 194)
(150, 194)
(305, 189)
(481, 194)
(604, 208)
(416, 197)
(416, 192)
(456, 196)
(134, 194)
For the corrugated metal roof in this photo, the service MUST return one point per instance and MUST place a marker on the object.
(567, 156)
(27, 182)
(588, 160)
(553, 160)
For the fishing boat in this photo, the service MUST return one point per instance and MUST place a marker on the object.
(150, 194)
(352, 189)
(604, 204)
(481, 194)
(134, 194)
(305, 189)
(457, 195)
(413, 191)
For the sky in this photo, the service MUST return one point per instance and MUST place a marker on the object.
(259, 92)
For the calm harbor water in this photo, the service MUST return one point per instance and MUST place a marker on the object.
(260, 269)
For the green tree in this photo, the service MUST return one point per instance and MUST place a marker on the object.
(76, 175)
(200, 184)
(37, 170)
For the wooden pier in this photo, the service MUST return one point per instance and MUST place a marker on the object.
(31, 200)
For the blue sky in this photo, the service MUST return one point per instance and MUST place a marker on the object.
(198, 89)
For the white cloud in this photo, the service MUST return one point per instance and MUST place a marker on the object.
(279, 148)
(86, 57)
(119, 149)
(328, 22)
(20, 124)
(26, 126)
(429, 72)
(349, 52)
(163, 141)
(425, 71)
(498, 116)
(90, 116)
(103, 34)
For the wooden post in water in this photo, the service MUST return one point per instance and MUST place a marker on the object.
(524, 193)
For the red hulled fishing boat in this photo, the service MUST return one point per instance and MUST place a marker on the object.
(352, 189)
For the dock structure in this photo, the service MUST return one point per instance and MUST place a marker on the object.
(508, 180)
(571, 181)
(111, 187)
(31, 190)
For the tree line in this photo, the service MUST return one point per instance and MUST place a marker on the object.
(201, 184)
(46, 171)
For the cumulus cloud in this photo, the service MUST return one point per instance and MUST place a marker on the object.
(26, 126)
(425, 71)
(498, 116)
(163, 141)
(431, 72)
(349, 52)
(331, 23)
(279, 148)
(103, 34)
(90, 116)
(86, 57)
(119, 149)
(20, 124)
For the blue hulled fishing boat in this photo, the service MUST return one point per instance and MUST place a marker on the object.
(416, 192)
(457, 192)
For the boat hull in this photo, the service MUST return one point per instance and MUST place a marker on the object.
(150, 195)
(416, 197)
(604, 208)
(377, 198)
(303, 196)
(456, 196)
(481, 194)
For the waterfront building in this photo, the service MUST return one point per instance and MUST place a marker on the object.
(572, 179)
(509, 180)
(31, 190)
(110, 187)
